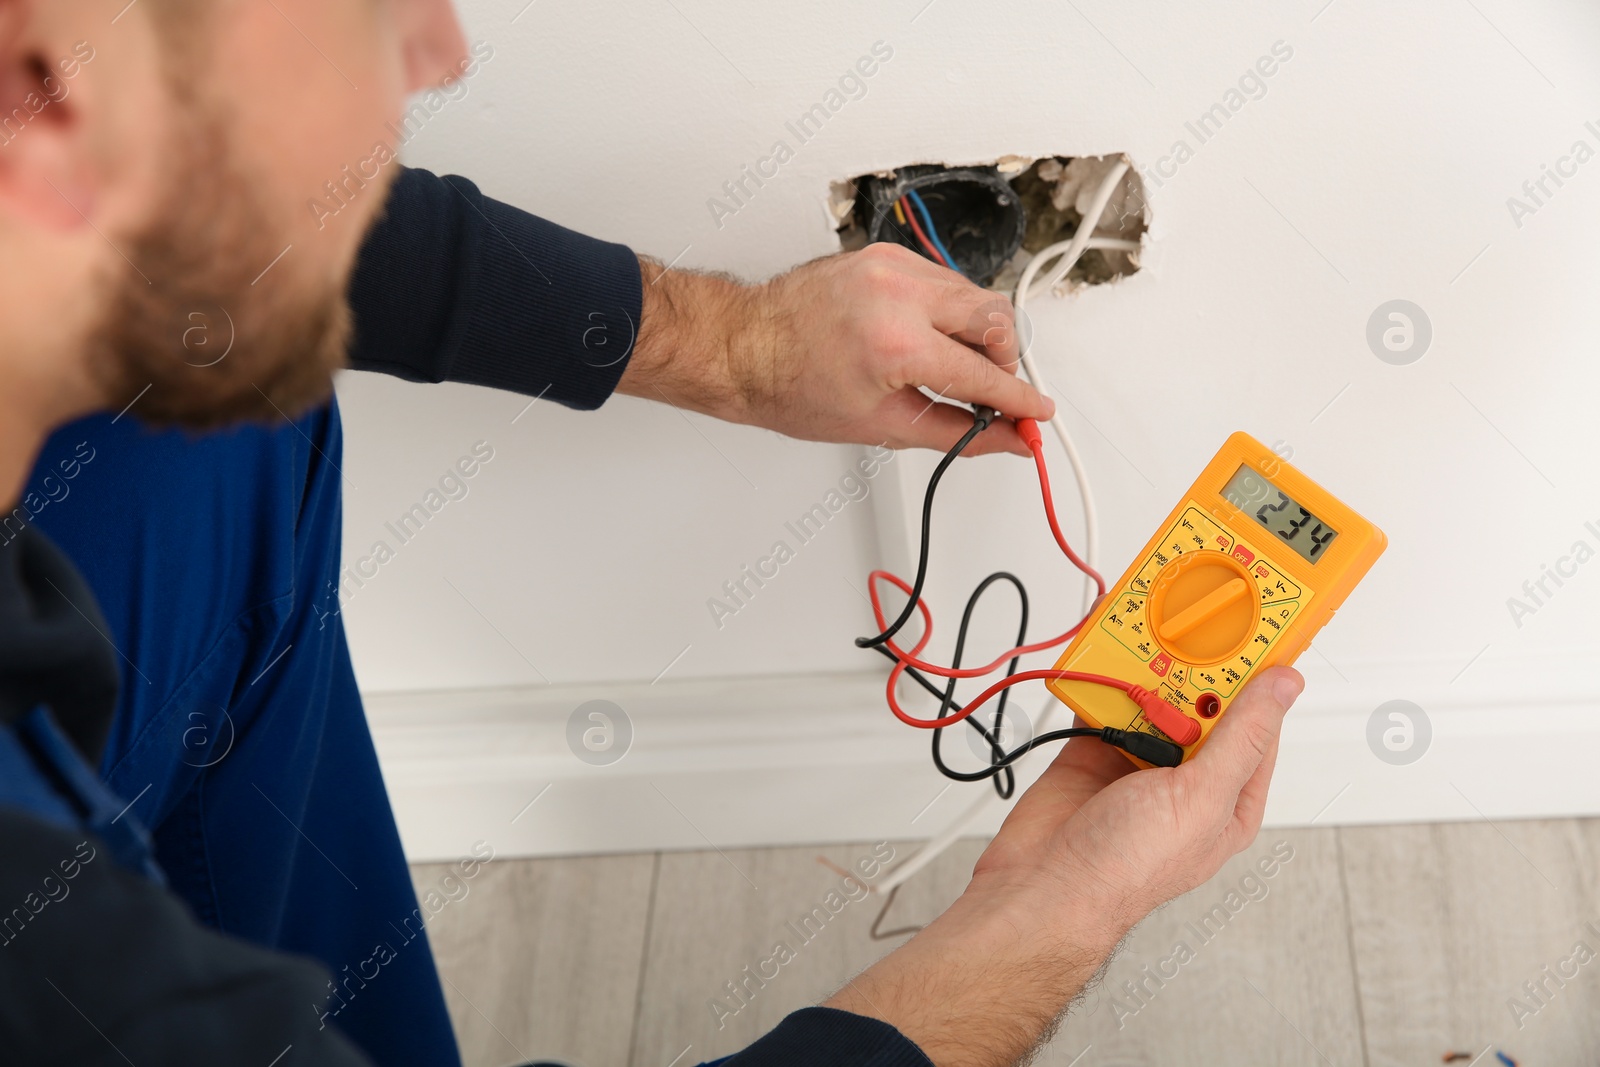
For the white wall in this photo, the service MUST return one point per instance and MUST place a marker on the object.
(1377, 166)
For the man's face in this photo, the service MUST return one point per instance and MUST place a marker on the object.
(227, 299)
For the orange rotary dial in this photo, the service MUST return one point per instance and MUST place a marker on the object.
(1203, 607)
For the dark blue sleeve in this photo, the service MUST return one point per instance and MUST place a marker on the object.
(454, 286)
(837, 1038)
(99, 967)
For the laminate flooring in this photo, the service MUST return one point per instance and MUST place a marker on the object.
(1376, 946)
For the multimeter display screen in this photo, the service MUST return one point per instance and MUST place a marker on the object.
(1282, 516)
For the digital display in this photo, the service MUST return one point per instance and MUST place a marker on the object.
(1281, 515)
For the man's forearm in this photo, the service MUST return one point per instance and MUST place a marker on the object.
(693, 332)
(986, 981)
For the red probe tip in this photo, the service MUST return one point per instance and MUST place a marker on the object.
(1168, 719)
(1028, 430)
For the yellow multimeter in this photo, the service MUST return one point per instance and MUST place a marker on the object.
(1252, 562)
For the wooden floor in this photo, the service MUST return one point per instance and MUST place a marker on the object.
(1370, 945)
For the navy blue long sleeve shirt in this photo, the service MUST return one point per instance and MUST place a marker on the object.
(454, 286)
(450, 286)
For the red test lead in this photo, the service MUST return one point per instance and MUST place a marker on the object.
(1170, 720)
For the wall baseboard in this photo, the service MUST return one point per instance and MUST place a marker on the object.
(768, 761)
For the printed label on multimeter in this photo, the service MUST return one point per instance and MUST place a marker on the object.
(1242, 575)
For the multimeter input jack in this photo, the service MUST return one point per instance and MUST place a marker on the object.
(1207, 705)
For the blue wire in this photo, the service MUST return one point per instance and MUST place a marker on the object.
(933, 234)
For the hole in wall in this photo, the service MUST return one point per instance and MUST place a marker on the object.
(991, 218)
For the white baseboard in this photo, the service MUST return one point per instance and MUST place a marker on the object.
(772, 761)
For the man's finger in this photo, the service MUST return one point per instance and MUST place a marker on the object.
(939, 426)
(914, 263)
(1252, 802)
(965, 375)
(1240, 743)
(980, 318)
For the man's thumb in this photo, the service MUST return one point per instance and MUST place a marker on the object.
(1249, 726)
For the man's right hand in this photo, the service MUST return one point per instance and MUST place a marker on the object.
(1090, 849)
(837, 349)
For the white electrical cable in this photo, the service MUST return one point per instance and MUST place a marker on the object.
(1068, 251)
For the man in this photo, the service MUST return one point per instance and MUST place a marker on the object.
(166, 178)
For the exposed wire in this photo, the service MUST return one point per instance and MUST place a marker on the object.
(922, 238)
(932, 231)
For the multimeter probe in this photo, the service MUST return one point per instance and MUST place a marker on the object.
(1184, 611)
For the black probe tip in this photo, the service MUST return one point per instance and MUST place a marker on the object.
(1153, 750)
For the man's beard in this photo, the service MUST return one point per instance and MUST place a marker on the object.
(198, 331)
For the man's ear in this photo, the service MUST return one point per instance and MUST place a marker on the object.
(430, 34)
(44, 172)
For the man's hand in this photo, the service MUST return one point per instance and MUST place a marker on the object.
(835, 350)
(1091, 848)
